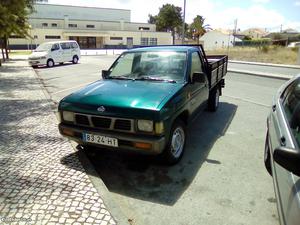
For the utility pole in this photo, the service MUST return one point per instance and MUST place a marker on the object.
(183, 23)
(234, 31)
(280, 28)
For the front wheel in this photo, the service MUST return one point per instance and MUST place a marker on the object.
(75, 59)
(50, 63)
(176, 144)
(267, 157)
(213, 99)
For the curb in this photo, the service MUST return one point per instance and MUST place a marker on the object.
(265, 64)
(260, 74)
(99, 185)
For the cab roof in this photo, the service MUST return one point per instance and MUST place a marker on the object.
(180, 48)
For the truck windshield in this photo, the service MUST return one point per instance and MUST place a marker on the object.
(150, 66)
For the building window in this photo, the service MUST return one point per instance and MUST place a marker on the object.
(144, 28)
(44, 24)
(116, 38)
(54, 25)
(90, 26)
(153, 41)
(16, 36)
(52, 37)
(144, 41)
(72, 25)
(35, 37)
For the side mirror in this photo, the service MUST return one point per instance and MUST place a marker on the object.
(53, 49)
(288, 159)
(295, 119)
(105, 74)
(198, 77)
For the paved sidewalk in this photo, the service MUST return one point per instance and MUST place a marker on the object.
(41, 178)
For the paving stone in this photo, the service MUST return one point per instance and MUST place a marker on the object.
(40, 175)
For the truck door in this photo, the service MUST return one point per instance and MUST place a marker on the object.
(198, 92)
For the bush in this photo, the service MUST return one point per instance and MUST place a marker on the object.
(295, 49)
(265, 48)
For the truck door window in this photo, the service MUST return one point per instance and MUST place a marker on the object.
(196, 64)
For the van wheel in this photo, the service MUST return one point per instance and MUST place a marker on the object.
(213, 99)
(50, 63)
(75, 59)
(176, 144)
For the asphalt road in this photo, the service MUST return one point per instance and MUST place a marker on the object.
(264, 69)
(221, 178)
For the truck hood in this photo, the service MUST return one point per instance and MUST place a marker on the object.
(37, 54)
(147, 95)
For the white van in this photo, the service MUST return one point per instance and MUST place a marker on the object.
(50, 53)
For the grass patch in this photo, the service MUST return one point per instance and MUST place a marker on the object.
(20, 52)
(268, 54)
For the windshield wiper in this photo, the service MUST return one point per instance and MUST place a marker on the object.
(120, 78)
(155, 79)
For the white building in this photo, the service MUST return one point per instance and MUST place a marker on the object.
(216, 39)
(91, 27)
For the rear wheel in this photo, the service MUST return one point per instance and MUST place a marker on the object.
(75, 59)
(50, 63)
(213, 99)
(176, 144)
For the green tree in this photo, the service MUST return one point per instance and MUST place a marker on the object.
(168, 19)
(198, 27)
(14, 19)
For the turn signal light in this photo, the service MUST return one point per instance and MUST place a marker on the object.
(67, 132)
(143, 145)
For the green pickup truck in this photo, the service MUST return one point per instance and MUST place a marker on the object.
(145, 100)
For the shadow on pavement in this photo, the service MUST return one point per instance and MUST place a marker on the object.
(146, 178)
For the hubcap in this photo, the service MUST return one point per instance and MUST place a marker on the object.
(177, 143)
(75, 60)
(50, 63)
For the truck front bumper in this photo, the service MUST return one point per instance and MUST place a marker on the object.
(152, 145)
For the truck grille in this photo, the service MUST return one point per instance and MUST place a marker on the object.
(101, 122)
(82, 120)
(108, 123)
(122, 124)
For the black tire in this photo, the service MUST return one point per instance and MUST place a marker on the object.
(267, 157)
(213, 99)
(50, 63)
(75, 59)
(178, 134)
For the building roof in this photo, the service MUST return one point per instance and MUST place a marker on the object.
(50, 11)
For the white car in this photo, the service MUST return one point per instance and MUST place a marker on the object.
(50, 53)
(294, 44)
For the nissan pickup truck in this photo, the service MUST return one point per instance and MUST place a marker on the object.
(145, 101)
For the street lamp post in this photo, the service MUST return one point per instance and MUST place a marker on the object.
(183, 23)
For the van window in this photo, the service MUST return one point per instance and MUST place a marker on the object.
(74, 45)
(55, 47)
(65, 45)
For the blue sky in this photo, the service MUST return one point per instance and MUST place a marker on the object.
(266, 14)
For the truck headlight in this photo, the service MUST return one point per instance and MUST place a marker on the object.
(68, 116)
(145, 125)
